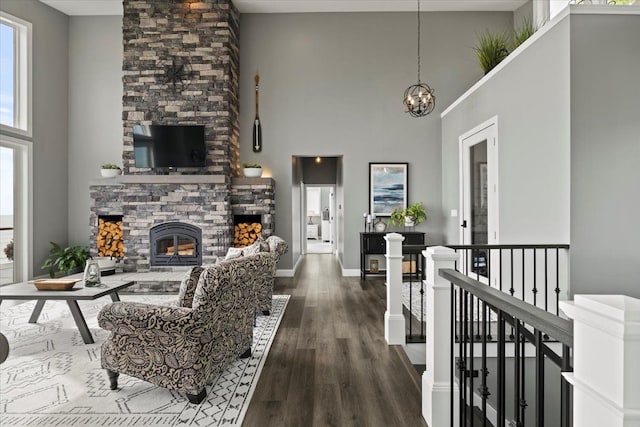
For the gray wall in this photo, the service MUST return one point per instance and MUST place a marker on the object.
(522, 14)
(605, 153)
(50, 116)
(530, 96)
(332, 84)
(95, 110)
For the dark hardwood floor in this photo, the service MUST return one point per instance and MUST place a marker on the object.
(329, 364)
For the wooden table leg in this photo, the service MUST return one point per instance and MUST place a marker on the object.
(36, 311)
(80, 322)
(115, 297)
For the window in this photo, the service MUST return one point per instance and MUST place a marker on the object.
(15, 149)
(15, 75)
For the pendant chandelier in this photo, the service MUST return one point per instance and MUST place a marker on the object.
(419, 98)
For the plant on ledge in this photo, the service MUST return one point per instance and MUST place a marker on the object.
(491, 49)
(69, 260)
(109, 170)
(252, 170)
(110, 166)
(414, 214)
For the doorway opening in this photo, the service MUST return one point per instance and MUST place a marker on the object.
(320, 215)
(317, 186)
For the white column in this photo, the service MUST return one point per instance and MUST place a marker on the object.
(606, 360)
(436, 380)
(394, 325)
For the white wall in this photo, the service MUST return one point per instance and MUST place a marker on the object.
(530, 96)
(50, 130)
(95, 110)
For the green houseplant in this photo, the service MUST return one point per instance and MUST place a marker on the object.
(491, 49)
(252, 170)
(109, 170)
(523, 32)
(69, 260)
(414, 214)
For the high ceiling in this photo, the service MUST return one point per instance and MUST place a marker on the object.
(114, 7)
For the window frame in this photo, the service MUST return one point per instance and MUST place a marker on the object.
(23, 205)
(23, 76)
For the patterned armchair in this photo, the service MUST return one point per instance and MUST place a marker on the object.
(277, 247)
(181, 347)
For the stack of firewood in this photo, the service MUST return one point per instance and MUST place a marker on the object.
(245, 234)
(110, 238)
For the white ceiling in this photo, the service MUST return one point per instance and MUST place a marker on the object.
(114, 7)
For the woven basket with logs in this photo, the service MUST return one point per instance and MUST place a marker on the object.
(109, 240)
(246, 233)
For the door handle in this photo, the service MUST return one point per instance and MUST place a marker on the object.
(464, 224)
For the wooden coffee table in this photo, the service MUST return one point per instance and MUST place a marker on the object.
(27, 291)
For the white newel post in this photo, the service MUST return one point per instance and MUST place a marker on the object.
(394, 324)
(606, 360)
(436, 380)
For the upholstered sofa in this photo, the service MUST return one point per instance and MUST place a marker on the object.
(181, 347)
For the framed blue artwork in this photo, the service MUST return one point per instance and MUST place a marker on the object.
(388, 187)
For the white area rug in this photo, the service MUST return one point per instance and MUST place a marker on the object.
(52, 378)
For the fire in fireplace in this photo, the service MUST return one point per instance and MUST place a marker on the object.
(175, 243)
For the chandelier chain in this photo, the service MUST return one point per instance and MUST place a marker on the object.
(418, 41)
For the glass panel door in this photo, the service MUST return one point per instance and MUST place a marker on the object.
(7, 215)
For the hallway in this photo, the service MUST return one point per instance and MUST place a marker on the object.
(329, 364)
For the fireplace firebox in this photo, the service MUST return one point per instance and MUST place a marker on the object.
(175, 243)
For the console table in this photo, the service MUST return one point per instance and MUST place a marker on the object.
(374, 244)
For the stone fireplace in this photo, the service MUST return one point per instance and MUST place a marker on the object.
(202, 36)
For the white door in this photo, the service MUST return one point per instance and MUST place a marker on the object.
(479, 193)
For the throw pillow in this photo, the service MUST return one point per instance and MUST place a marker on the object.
(233, 253)
(252, 249)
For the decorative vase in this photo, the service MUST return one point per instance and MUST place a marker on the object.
(252, 172)
(380, 226)
(408, 221)
(110, 173)
(92, 274)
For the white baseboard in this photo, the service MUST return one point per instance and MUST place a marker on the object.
(350, 272)
(288, 272)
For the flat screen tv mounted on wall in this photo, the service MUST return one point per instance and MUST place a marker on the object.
(169, 146)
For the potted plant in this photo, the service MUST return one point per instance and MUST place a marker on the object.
(69, 260)
(414, 214)
(397, 217)
(109, 170)
(252, 170)
(523, 32)
(491, 49)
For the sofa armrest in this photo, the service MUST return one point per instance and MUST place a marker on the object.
(129, 318)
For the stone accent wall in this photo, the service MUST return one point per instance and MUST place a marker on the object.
(255, 196)
(206, 34)
(143, 205)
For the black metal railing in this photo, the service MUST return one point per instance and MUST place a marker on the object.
(413, 292)
(479, 311)
(532, 273)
